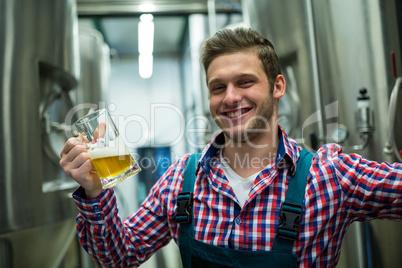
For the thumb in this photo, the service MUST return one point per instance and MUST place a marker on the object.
(82, 137)
(100, 131)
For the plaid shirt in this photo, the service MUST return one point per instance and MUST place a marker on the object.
(341, 189)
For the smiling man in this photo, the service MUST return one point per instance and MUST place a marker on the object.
(244, 104)
(253, 197)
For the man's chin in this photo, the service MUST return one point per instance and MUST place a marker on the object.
(237, 136)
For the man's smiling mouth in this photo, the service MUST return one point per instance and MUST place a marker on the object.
(237, 113)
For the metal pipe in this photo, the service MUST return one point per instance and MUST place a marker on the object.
(211, 16)
(391, 145)
(315, 73)
(9, 47)
(245, 13)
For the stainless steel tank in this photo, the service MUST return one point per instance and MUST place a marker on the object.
(330, 51)
(39, 67)
(94, 71)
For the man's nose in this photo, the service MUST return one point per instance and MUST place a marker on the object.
(233, 95)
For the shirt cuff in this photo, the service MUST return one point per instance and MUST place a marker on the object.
(97, 210)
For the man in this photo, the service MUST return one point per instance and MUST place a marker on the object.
(246, 210)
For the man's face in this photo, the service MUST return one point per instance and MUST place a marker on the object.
(239, 96)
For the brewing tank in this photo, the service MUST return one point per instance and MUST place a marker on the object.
(336, 58)
(39, 71)
(94, 71)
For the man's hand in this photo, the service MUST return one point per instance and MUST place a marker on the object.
(77, 164)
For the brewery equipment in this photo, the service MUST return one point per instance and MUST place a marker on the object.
(335, 49)
(40, 85)
(38, 69)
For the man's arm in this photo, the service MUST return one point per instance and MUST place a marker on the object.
(371, 189)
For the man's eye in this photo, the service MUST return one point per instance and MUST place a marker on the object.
(217, 88)
(245, 83)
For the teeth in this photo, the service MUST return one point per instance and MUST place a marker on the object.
(235, 114)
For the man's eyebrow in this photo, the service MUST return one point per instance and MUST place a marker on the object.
(215, 80)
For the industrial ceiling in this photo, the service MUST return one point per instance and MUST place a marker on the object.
(118, 21)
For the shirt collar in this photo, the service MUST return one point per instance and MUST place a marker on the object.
(286, 156)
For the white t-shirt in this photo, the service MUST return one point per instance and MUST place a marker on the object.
(241, 186)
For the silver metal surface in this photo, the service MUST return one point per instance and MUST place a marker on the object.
(95, 70)
(317, 92)
(42, 246)
(39, 71)
(328, 51)
(118, 22)
(169, 7)
(24, 89)
(353, 41)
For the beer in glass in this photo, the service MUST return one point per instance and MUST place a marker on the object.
(107, 149)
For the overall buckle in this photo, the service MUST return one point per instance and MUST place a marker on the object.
(289, 221)
(184, 207)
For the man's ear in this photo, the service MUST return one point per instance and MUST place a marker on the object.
(279, 87)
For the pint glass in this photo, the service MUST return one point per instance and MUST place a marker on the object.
(107, 150)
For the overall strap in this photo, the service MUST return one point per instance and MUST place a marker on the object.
(292, 208)
(189, 173)
(184, 211)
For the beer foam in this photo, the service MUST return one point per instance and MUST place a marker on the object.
(116, 148)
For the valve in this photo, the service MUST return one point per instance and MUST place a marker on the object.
(364, 116)
(364, 121)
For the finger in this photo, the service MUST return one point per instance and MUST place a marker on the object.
(70, 144)
(82, 137)
(82, 164)
(78, 167)
(74, 157)
(80, 158)
(83, 172)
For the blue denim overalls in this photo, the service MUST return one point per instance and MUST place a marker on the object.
(197, 254)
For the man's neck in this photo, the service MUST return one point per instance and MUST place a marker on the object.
(248, 157)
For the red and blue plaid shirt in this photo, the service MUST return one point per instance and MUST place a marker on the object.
(341, 189)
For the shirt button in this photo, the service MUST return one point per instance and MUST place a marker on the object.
(238, 221)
